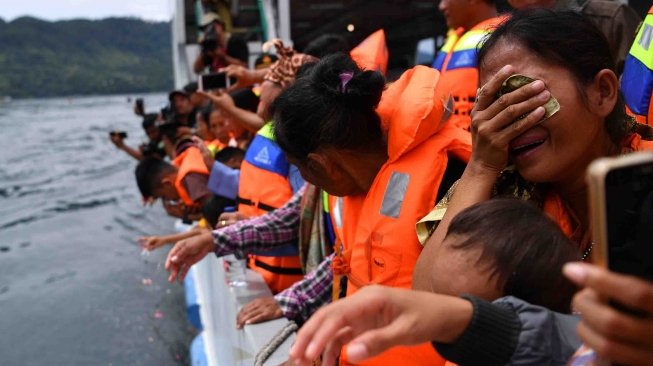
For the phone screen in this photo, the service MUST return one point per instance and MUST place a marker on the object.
(629, 209)
(213, 81)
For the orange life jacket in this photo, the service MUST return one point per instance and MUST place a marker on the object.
(458, 65)
(264, 187)
(372, 53)
(380, 241)
(189, 161)
(637, 79)
(556, 209)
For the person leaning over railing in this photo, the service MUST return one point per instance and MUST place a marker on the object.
(329, 125)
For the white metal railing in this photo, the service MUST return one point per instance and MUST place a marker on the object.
(221, 344)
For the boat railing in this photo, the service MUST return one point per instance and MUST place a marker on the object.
(212, 304)
(212, 308)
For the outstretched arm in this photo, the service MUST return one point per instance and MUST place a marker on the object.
(275, 229)
(467, 331)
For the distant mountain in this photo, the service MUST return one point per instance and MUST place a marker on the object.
(74, 57)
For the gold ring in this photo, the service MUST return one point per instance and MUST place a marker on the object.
(223, 222)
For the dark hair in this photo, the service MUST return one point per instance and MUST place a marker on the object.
(228, 153)
(570, 40)
(169, 128)
(327, 44)
(149, 120)
(184, 143)
(149, 173)
(522, 247)
(214, 207)
(316, 112)
(245, 99)
(205, 113)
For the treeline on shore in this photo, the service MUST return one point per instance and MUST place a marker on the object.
(77, 57)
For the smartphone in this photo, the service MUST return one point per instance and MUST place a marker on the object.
(213, 81)
(122, 134)
(621, 203)
(139, 106)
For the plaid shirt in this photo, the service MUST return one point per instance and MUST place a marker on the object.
(301, 300)
(272, 230)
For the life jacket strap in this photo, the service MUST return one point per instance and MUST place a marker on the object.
(260, 205)
(278, 270)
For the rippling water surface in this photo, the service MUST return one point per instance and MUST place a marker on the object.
(74, 289)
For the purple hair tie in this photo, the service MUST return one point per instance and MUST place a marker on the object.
(345, 78)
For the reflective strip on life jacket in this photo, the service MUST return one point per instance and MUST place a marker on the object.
(384, 245)
(637, 79)
(463, 50)
(464, 53)
(328, 222)
(452, 37)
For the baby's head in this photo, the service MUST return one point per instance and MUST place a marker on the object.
(505, 247)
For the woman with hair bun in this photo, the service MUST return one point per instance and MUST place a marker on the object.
(388, 152)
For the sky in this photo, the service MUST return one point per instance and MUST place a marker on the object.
(158, 10)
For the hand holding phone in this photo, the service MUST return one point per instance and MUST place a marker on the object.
(613, 335)
(117, 138)
(120, 134)
(621, 202)
(213, 81)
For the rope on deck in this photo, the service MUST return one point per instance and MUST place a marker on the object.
(274, 343)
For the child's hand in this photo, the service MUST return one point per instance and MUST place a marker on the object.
(150, 243)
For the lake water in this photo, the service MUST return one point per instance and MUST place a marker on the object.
(74, 288)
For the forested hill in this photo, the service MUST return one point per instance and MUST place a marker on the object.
(76, 57)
